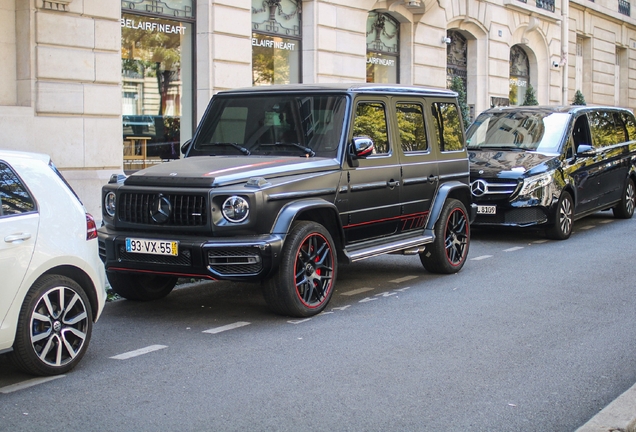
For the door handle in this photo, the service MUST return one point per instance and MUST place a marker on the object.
(432, 178)
(13, 238)
(393, 183)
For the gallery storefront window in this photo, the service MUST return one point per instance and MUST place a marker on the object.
(519, 75)
(157, 80)
(383, 48)
(276, 42)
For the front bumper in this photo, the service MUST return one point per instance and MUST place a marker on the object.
(236, 258)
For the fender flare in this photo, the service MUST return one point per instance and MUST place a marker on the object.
(290, 211)
(440, 198)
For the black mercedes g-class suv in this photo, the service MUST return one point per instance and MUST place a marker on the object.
(281, 184)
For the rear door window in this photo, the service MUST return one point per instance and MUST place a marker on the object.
(448, 124)
(14, 196)
(603, 129)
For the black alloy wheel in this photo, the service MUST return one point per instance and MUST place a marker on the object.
(564, 219)
(447, 254)
(625, 208)
(306, 277)
(54, 327)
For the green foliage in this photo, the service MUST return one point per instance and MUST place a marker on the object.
(530, 98)
(457, 85)
(371, 121)
(578, 98)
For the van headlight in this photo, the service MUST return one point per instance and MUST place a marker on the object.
(110, 204)
(533, 183)
(235, 209)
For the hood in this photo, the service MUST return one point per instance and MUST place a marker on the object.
(507, 164)
(214, 171)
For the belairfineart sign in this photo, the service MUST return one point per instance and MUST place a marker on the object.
(152, 26)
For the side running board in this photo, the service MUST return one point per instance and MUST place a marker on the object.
(357, 254)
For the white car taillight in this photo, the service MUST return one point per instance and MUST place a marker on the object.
(91, 227)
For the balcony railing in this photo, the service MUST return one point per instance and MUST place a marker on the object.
(624, 7)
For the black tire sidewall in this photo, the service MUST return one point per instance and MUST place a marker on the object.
(435, 259)
(555, 232)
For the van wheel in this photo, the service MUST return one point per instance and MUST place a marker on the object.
(142, 287)
(564, 218)
(54, 327)
(447, 254)
(305, 280)
(625, 208)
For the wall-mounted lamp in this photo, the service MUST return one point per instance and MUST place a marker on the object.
(446, 40)
(555, 64)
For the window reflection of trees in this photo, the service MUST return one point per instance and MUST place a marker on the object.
(370, 120)
(13, 196)
(410, 119)
(448, 126)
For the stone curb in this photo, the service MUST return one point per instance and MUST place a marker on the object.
(619, 416)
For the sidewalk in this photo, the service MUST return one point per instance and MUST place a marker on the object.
(619, 416)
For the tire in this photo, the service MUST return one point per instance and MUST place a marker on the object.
(447, 254)
(563, 219)
(625, 208)
(54, 327)
(306, 277)
(141, 287)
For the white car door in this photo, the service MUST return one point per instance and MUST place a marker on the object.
(18, 232)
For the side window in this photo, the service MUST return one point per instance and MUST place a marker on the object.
(630, 125)
(14, 196)
(602, 129)
(621, 130)
(410, 120)
(449, 127)
(370, 120)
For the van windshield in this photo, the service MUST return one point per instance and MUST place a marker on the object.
(519, 130)
(280, 125)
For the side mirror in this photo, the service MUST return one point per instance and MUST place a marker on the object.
(186, 146)
(585, 150)
(363, 146)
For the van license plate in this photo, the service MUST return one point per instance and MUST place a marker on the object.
(487, 209)
(152, 247)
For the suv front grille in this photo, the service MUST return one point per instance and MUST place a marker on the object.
(235, 261)
(186, 210)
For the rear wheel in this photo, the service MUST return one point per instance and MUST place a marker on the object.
(142, 287)
(625, 208)
(447, 254)
(54, 327)
(305, 280)
(564, 218)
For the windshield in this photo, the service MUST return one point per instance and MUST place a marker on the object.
(531, 130)
(281, 125)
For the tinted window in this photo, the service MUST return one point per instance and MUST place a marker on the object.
(410, 117)
(14, 196)
(371, 121)
(602, 129)
(630, 125)
(449, 126)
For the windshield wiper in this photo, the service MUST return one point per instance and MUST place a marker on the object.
(243, 150)
(307, 150)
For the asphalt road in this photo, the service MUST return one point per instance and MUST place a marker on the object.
(532, 335)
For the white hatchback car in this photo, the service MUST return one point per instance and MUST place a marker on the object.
(52, 285)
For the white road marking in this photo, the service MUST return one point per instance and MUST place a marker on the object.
(28, 383)
(512, 249)
(367, 299)
(403, 289)
(479, 258)
(540, 241)
(226, 327)
(139, 352)
(357, 291)
(588, 227)
(403, 279)
(299, 321)
(341, 307)
(606, 221)
(386, 294)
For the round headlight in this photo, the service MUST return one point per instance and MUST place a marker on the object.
(110, 203)
(235, 209)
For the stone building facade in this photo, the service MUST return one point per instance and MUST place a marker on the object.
(92, 81)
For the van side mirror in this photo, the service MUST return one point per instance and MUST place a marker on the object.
(186, 146)
(585, 150)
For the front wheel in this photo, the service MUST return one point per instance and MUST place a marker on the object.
(142, 287)
(564, 218)
(447, 254)
(625, 208)
(54, 327)
(305, 280)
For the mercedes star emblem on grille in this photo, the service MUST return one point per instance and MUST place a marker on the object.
(478, 188)
(160, 209)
